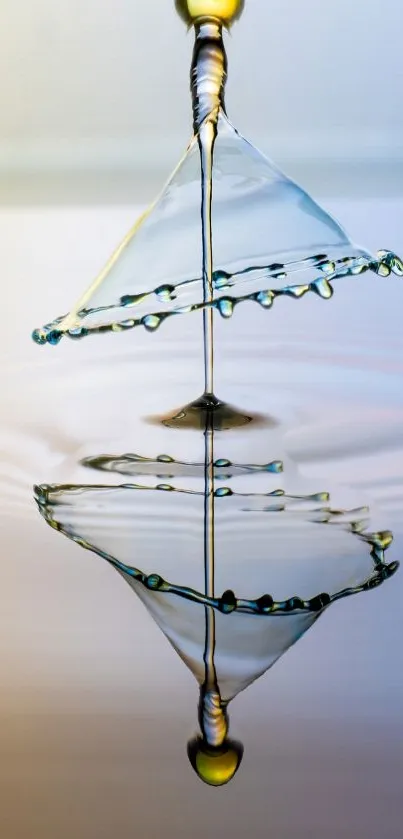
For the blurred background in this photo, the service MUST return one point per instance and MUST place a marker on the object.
(95, 707)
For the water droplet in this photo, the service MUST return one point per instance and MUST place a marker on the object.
(296, 291)
(265, 603)
(276, 467)
(275, 267)
(39, 336)
(223, 492)
(323, 288)
(319, 497)
(393, 567)
(382, 539)
(319, 602)
(228, 602)
(132, 299)
(166, 293)
(374, 582)
(221, 462)
(154, 582)
(293, 604)
(360, 268)
(221, 279)
(397, 266)
(225, 307)
(327, 267)
(151, 322)
(54, 336)
(265, 298)
(384, 269)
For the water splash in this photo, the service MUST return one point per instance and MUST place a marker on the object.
(51, 499)
(386, 263)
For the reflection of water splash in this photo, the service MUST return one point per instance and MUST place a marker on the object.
(52, 499)
(166, 466)
(386, 263)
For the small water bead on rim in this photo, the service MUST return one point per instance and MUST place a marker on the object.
(361, 268)
(54, 336)
(389, 260)
(277, 466)
(223, 492)
(316, 604)
(152, 322)
(228, 602)
(323, 288)
(39, 336)
(132, 299)
(226, 306)
(265, 299)
(327, 267)
(222, 279)
(382, 539)
(155, 582)
(166, 293)
(294, 604)
(265, 603)
(296, 291)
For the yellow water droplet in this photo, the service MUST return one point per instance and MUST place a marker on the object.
(226, 11)
(215, 767)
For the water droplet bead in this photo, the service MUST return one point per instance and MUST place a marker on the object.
(221, 279)
(151, 322)
(166, 293)
(54, 336)
(323, 288)
(223, 492)
(215, 766)
(154, 582)
(225, 307)
(265, 299)
(39, 336)
(316, 604)
(226, 11)
(265, 603)
(228, 602)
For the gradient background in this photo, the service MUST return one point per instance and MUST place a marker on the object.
(95, 708)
